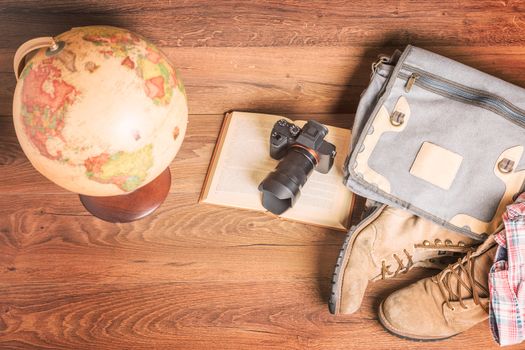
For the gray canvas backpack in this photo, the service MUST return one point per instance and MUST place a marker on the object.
(440, 139)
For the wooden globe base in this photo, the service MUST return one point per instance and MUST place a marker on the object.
(132, 206)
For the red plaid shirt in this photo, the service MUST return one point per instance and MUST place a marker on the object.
(507, 278)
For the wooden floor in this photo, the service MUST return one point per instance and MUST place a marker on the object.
(202, 277)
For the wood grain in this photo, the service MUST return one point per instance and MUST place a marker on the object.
(197, 276)
(234, 23)
(207, 239)
(230, 315)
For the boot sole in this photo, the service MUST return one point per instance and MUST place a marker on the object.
(337, 277)
(390, 329)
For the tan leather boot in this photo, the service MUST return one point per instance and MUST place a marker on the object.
(387, 243)
(442, 306)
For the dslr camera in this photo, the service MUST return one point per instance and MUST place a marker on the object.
(300, 151)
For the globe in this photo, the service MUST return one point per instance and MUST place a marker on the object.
(101, 113)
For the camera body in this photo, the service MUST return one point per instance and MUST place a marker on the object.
(311, 138)
(300, 151)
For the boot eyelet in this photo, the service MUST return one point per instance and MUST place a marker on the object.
(438, 242)
(426, 243)
(461, 244)
(448, 242)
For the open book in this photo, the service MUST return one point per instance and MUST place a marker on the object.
(241, 160)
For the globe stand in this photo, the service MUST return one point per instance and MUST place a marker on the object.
(132, 206)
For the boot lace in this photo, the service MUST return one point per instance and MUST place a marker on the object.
(401, 267)
(463, 267)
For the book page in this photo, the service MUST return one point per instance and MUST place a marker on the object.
(242, 161)
(324, 196)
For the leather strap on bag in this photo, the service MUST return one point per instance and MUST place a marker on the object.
(28, 47)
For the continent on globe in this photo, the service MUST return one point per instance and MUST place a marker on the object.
(45, 98)
(158, 75)
(127, 170)
(120, 41)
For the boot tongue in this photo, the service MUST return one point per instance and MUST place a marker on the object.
(482, 264)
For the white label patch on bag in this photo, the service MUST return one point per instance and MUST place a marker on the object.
(436, 165)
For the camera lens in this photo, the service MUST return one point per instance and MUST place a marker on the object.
(281, 188)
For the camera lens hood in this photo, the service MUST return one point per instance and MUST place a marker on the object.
(279, 192)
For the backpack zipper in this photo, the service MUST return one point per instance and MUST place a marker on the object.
(453, 90)
(410, 82)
